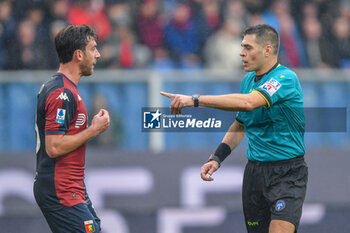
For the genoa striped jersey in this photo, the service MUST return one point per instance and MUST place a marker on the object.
(60, 110)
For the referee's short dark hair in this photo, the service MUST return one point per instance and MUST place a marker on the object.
(71, 38)
(265, 35)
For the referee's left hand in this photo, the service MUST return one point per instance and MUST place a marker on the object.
(179, 101)
(208, 169)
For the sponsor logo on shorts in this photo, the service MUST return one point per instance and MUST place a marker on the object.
(89, 226)
(280, 205)
(253, 223)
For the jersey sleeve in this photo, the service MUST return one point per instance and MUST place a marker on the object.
(242, 91)
(277, 88)
(60, 108)
(238, 119)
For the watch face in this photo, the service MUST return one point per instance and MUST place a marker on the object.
(195, 98)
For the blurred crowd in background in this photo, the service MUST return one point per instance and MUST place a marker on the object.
(181, 34)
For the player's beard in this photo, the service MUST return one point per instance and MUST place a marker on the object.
(86, 68)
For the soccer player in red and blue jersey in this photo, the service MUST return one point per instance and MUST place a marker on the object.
(62, 132)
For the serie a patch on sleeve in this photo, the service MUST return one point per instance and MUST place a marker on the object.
(271, 86)
(61, 113)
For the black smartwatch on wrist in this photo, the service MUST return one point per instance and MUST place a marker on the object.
(195, 98)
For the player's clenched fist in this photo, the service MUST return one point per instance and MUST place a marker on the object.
(101, 121)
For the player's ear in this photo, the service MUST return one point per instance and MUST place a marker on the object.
(268, 50)
(78, 54)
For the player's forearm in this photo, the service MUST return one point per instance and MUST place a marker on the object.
(59, 145)
(231, 140)
(234, 135)
(232, 102)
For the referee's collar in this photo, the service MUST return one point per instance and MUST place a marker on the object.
(257, 78)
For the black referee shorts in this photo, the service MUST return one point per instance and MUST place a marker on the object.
(273, 191)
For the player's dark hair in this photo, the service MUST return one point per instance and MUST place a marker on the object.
(265, 35)
(71, 38)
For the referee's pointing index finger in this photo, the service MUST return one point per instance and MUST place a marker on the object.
(169, 95)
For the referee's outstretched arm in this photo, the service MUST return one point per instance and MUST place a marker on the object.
(229, 102)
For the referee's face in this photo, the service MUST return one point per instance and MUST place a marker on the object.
(252, 54)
